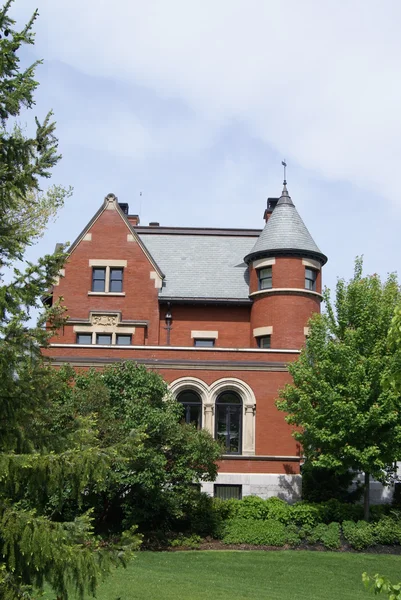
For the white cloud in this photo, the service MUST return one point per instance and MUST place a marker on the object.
(318, 81)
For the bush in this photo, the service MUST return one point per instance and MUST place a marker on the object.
(334, 510)
(359, 535)
(191, 542)
(255, 531)
(329, 535)
(202, 516)
(320, 485)
(253, 507)
(387, 531)
(304, 514)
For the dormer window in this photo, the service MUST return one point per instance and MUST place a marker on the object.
(265, 278)
(310, 279)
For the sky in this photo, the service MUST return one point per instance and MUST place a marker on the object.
(185, 109)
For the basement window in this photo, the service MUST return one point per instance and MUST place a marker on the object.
(228, 492)
(265, 278)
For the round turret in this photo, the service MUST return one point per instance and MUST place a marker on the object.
(285, 279)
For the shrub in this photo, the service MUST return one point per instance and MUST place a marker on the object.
(253, 507)
(329, 535)
(387, 531)
(320, 485)
(304, 514)
(334, 510)
(255, 531)
(192, 542)
(227, 509)
(202, 516)
(359, 535)
(293, 535)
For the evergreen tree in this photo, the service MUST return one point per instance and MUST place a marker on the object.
(347, 418)
(38, 475)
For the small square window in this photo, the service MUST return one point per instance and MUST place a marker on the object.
(84, 338)
(103, 339)
(123, 340)
(202, 343)
(310, 279)
(116, 280)
(227, 492)
(265, 278)
(264, 341)
(99, 279)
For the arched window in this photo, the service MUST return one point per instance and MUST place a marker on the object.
(192, 406)
(229, 422)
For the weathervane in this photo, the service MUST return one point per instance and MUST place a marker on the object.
(285, 166)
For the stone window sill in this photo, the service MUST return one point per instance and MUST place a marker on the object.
(106, 293)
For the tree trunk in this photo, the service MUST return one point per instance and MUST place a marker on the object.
(366, 498)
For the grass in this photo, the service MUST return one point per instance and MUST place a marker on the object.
(231, 575)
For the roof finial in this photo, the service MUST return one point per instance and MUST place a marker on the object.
(285, 191)
(285, 167)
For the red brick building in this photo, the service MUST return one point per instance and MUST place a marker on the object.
(217, 312)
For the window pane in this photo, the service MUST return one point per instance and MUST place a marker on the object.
(310, 279)
(204, 343)
(228, 397)
(234, 428)
(265, 278)
(84, 338)
(228, 427)
(98, 280)
(116, 280)
(226, 492)
(103, 338)
(189, 396)
(192, 407)
(123, 340)
(264, 341)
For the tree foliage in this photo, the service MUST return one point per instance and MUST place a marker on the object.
(155, 489)
(35, 544)
(346, 418)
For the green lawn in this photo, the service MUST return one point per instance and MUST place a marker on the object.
(280, 575)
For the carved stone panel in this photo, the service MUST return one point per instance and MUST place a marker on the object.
(105, 320)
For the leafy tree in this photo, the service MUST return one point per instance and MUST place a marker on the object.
(346, 418)
(155, 489)
(38, 473)
(392, 379)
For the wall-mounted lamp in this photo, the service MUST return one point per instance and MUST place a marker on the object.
(168, 320)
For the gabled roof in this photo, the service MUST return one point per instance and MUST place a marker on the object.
(285, 232)
(202, 263)
(111, 202)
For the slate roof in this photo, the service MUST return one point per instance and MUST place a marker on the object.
(285, 232)
(207, 265)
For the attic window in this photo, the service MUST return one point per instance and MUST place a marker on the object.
(99, 280)
(265, 278)
(107, 276)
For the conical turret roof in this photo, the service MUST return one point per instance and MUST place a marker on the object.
(285, 233)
